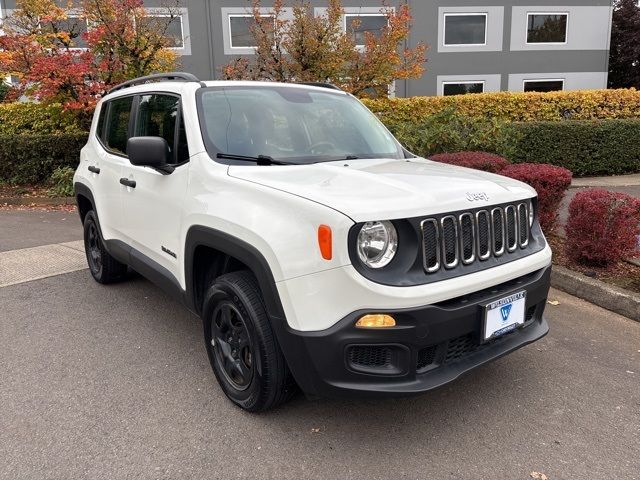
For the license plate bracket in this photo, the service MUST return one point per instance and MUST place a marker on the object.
(503, 315)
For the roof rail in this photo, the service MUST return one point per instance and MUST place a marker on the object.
(158, 77)
(321, 84)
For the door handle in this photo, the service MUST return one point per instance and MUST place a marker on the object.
(94, 169)
(128, 183)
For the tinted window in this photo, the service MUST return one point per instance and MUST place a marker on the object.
(546, 28)
(465, 29)
(118, 124)
(359, 25)
(157, 117)
(101, 120)
(462, 88)
(182, 152)
(543, 86)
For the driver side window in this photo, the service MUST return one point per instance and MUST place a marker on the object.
(160, 115)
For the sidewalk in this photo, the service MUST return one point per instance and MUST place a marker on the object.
(608, 182)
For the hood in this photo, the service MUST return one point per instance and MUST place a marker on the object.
(384, 189)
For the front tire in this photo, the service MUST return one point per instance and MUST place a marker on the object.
(103, 267)
(243, 351)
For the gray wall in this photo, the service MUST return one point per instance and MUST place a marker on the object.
(503, 63)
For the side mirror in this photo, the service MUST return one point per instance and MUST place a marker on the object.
(149, 151)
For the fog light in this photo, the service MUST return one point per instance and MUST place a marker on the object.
(376, 320)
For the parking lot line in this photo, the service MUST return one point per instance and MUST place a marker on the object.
(27, 264)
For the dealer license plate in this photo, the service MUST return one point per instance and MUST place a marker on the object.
(504, 315)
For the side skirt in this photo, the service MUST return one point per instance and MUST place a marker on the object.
(148, 268)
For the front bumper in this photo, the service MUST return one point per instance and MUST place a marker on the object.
(429, 346)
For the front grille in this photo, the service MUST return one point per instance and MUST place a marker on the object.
(467, 238)
(426, 357)
(449, 241)
(460, 347)
(531, 311)
(370, 356)
(431, 237)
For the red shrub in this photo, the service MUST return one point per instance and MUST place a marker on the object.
(550, 182)
(602, 227)
(478, 160)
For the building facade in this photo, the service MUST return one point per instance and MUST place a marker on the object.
(474, 45)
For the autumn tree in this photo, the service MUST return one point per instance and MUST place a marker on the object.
(316, 48)
(624, 63)
(40, 47)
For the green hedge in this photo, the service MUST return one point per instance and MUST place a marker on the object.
(33, 158)
(587, 148)
(448, 131)
(36, 118)
(602, 147)
(515, 106)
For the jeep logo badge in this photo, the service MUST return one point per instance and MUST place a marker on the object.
(477, 196)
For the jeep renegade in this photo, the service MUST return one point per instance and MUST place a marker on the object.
(318, 252)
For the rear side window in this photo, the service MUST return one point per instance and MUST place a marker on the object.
(101, 121)
(117, 132)
(159, 116)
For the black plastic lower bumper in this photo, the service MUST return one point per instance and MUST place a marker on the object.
(429, 346)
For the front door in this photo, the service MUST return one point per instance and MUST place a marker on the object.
(153, 207)
(113, 131)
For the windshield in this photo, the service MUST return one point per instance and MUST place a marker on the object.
(290, 124)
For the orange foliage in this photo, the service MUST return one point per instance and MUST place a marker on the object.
(315, 48)
(38, 47)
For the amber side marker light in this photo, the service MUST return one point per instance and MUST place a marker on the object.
(376, 320)
(325, 241)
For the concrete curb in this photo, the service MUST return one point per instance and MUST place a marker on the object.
(607, 296)
(37, 201)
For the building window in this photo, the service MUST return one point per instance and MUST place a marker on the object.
(174, 32)
(543, 85)
(359, 25)
(240, 27)
(76, 27)
(547, 27)
(465, 29)
(462, 88)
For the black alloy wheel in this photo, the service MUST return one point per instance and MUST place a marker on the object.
(232, 345)
(94, 246)
(103, 267)
(242, 347)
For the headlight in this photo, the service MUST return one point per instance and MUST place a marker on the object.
(377, 243)
(531, 213)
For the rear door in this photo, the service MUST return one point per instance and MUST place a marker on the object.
(113, 132)
(153, 209)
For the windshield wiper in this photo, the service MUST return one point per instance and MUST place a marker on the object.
(260, 159)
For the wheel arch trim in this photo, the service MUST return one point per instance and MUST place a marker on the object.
(201, 236)
(82, 190)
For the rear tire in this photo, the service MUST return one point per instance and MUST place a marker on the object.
(242, 348)
(103, 267)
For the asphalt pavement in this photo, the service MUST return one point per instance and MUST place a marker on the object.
(32, 228)
(110, 382)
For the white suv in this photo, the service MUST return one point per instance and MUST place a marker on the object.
(318, 252)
